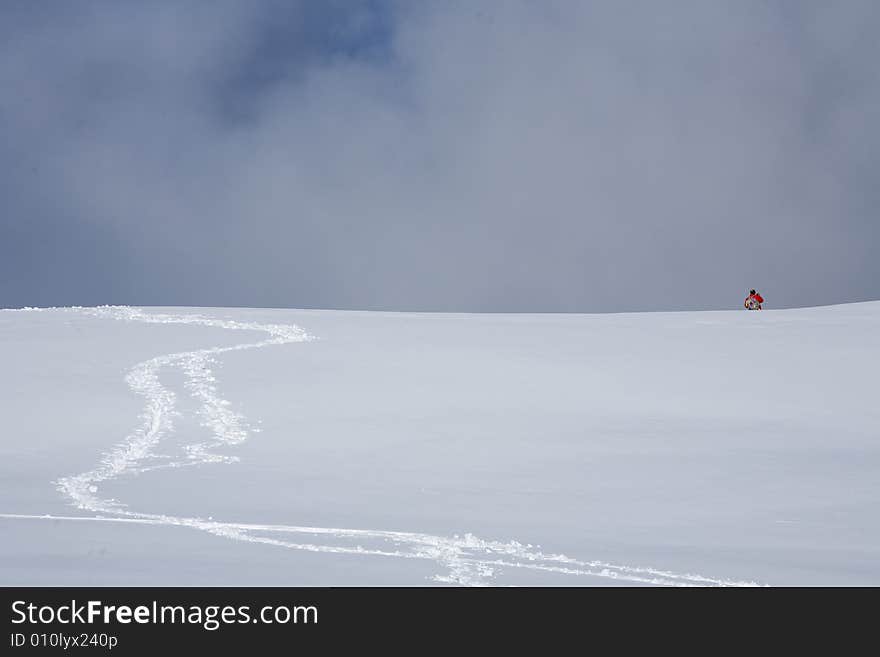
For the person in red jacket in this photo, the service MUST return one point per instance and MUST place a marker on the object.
(754, 301)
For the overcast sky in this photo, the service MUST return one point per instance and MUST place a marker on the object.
(455, 156)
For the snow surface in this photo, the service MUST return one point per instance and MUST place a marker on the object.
(292, 447)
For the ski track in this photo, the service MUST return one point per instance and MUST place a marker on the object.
(467, 560)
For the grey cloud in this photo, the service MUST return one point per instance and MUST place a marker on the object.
(515, 156)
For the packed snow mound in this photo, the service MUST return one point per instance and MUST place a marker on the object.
(240, 446)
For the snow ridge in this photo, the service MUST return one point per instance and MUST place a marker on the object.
(467, 560)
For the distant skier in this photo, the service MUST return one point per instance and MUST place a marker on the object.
(754, 301)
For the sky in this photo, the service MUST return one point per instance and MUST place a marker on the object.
(461, 156)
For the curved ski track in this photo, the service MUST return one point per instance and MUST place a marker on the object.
(465, 560)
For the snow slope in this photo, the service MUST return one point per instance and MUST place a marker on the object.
(285, 447)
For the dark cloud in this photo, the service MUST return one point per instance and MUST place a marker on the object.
(515, 156)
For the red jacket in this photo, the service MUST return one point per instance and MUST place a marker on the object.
(757, 297)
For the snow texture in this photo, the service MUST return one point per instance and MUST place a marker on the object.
(741, 446)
